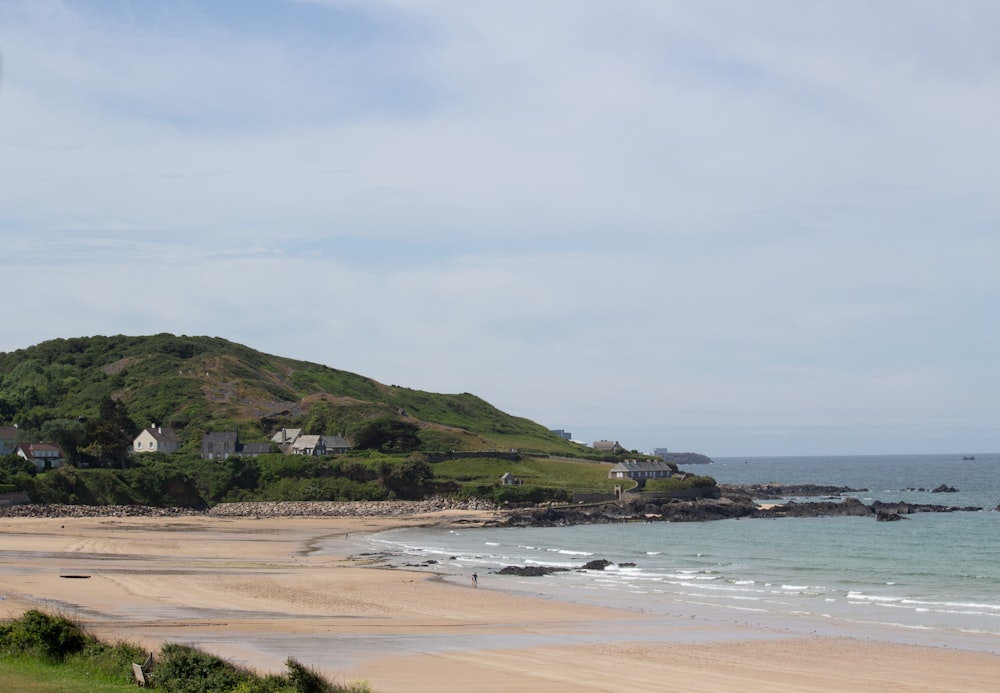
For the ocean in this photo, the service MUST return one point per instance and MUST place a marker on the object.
(933, 576)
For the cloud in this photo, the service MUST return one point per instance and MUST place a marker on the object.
(667, 217)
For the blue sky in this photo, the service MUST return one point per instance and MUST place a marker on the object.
(734, 228)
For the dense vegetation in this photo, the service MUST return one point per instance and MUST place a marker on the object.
(91, 395)
(40, 647)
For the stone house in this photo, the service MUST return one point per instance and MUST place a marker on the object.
(607, 446)
(220, 445)
(336, 445)
(285, 437)
(313, 446)
(640, 470)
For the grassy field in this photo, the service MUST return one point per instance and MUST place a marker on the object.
(34, 676)
(560, 473)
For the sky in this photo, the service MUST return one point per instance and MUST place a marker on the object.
(733, 228)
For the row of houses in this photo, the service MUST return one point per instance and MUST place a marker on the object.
(290, 441)
(214, 445)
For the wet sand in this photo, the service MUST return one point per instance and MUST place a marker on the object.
(257, 591)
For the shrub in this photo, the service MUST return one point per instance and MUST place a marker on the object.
(42, 635)
(184, 669)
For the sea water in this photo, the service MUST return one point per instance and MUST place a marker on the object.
(938, 573)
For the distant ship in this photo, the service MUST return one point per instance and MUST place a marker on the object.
(968, 457)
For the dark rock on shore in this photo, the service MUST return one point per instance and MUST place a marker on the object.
(902, 508)
(849, 507)
(775, 491)
(530, 570)
(883, 516)
(540, 570)
(736, 502)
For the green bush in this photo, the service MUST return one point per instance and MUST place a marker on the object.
(41, 635)
(184, 669)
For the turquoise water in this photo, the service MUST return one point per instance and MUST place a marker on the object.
(938, 573)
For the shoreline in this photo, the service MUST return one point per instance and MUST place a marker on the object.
(258, 590)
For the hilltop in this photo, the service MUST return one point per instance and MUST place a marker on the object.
(199, 384)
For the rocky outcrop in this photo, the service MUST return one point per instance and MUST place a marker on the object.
(540, 570)
(530, 570)
(883, 516)
(901, 508)
(774, 491)
(849, 507)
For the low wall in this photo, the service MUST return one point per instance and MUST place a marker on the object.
(684, 494)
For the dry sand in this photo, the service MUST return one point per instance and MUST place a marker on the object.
(258, 590)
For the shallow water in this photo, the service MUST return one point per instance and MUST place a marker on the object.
(934, 574)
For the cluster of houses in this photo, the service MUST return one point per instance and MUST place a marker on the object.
(214, 446)
(290, 441)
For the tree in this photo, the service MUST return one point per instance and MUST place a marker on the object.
(409, 478)
(387, 435)
(110, 436)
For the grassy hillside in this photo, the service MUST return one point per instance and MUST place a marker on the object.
(197, 384)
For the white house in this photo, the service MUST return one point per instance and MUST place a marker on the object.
(42, 455)
(156, 439)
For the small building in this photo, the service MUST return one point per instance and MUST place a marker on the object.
(336, 445)
(43, 455)
(509, 479)
(639, 470)
(285, 437)
(313, 446)
(156, 439)
(607, 446)
(220, 445)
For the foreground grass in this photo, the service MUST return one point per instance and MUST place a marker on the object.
(41, 652)
(34, 676)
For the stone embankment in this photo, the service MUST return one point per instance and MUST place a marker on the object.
(261, 509)
(348, 508)
(58, 510)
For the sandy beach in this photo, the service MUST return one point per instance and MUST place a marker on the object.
(257, 591)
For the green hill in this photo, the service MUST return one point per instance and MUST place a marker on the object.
(56, 390)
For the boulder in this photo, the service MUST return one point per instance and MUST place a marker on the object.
(530, 570)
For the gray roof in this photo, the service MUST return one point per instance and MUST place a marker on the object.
(642, 466)
(335, 442)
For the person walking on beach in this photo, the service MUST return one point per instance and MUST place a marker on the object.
(475, 580)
